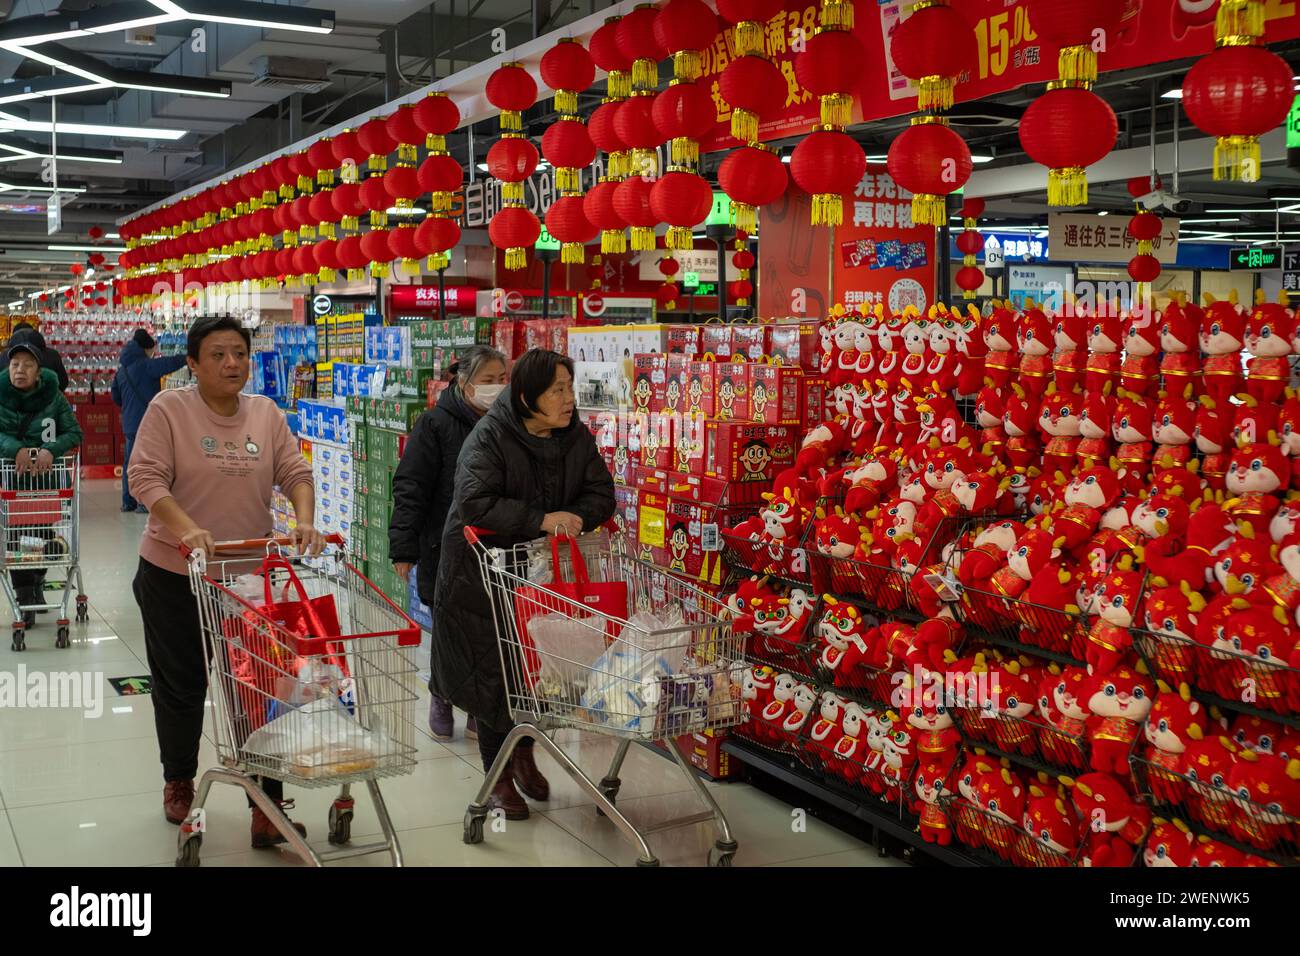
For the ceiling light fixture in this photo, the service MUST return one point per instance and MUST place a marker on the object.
(267, 16)
(9, 123)
(1188, 222)
(1174, 94)
(33, 188)
(786, 158)
(90, 68)
(22, 150)
(56, 248)
(978, 158)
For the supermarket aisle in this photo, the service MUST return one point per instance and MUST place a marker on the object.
(80, 790)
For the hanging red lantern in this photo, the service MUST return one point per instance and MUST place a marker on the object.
(972, 207)
(636, 40)
(567, 146)
(683, 114)
(599, 206)
(301, 217)
(567, 221)
(284, 262)
(440, 175)
(1237, 94)
(321, 156)
(684, 28)
(753, 176)
(1144, 268)
(831, 68)
(1067, 129)
(1144, 227)
(96, 258)
(512, 90)
(607, 55)
(352, 257)
(323, 211)
(827, 163)
(285, 177)
(406, 133)
(970, 243)
(931, 161)
(741, 290)
(301, 167)
(327, 259)
(683, 200)
(606, 139)
(95, 232)
(753, 87)
(632, 201)
(403, 244)
(515, 230)
(666, 296)
(304, 261)
(1139, 186)
(668, 266)
(402, 184)
(437, 116)
(76, 268)
(375, 245)
(750, 18)
(377, 141)
(969, 279)
(374, 196)
(634, 122)
(568, 69)
(512, 159)
(744, 259)
(1074, 27)
(350, 154)
(437, 236)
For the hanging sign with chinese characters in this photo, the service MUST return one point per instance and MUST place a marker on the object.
(1016, 246)
(1084, 238)
(879, 256)
(1291, 271)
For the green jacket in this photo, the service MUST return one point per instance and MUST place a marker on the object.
(24, 417)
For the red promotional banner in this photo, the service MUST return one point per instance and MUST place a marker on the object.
(1010, 54)
(460, 298)
(878, 255)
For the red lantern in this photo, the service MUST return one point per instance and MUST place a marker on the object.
(932, 48)
(437, 116)
(599, 206)
(403, 244)
(440, 175)
(634, 122)
(568, 69)
(753, 87)
(684, 114)
(351, 256)
(632, 201)
(95, 232)
(827, 163)
(304, 260)
(684, 28)
(1144, 268)
(605, 136)
(515, 230)
(831, 67)
(377, 141)
(301, 168)
(607, 55)
(683, 200)
(744, 259)
(327, 258)
(285, 178)
(348, 151)
(750, 18)
(322, 209)
(930, 160)
(1144, 227)
(321, 156)
(635, 37)
(666, 296)
(406, 132)
(96, 258)
(972, 207)
(969, 279)
(668, 266)
(300, 213)
(512, 159)
(753, 176)
(970, 242)
(567, 221)
(511, 89)
(436, 237)
(1237, 94)
(374, 196)
(567, 146)
(1139, 186)
(402, 183)
(741, 290)
(375, 245)
(1067, 129)
(284, 262)
(1072, 27)
(76, 268)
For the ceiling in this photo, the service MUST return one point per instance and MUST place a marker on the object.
(380, 50)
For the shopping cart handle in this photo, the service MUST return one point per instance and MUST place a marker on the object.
(251, 544)
(472, 534)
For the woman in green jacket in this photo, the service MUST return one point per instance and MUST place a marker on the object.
(37, 427)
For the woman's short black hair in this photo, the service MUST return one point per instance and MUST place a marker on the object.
(208, 324)
(532, 375)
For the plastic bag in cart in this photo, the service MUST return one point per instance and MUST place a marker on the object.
(565, 648)
(624, 684)
(321, 738)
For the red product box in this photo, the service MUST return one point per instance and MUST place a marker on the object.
(774, 394)
(508, 338)
(649, 382)
(688, 444)
(705, 753)
(657, 448)
(625, 509)
(100, 451)
(651, 525)
(751, 343)
(675, 398)
(682, 533)
(731, 384)
(682, 340)
(715, 340)
(97, 419)
(536, 334)
(559, 336)
(816, 401)
(648, 478)
(796, 344)
(748, 451)
(699, 388)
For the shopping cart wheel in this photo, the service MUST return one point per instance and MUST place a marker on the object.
(722, 853)
(188, 854)
(62, 639)
(340, 823)
(83, 610)
(19, 642)
(474, 825)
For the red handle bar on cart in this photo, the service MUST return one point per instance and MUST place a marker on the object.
(252, 544)
(474, 533)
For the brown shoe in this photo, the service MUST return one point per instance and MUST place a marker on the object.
(505, 797)
(528, 778)
(265, 833)
(178, 796)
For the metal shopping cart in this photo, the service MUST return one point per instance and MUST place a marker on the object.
(331, 708)
(40, 518)
(630, 676)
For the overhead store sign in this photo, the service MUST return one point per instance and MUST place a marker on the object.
(1253, 258)
(1091, 238)
(1009, 54)
(459, 298)
(1291, 270)
(702, 262)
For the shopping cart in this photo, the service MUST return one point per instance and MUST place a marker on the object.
(40, 518)
(671, 665)
(313, 711)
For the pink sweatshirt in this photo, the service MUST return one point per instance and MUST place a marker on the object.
(220, 470)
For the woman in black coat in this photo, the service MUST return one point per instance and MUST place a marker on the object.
(426, 477)
(529, 468)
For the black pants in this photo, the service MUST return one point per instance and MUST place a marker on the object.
(172, 637)
(489, 744)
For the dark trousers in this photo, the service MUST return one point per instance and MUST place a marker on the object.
(489, 744)
(128, 503)
(172, 638)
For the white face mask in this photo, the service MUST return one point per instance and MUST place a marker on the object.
(484, 396)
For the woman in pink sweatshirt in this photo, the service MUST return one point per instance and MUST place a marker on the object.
(204, 463)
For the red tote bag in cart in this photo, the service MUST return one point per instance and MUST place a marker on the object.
(607, 597)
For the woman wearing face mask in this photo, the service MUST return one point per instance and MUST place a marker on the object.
(424, 484)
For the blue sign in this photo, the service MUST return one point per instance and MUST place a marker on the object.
(1015, 246)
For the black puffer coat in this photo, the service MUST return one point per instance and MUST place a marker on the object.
(422, 487)
(507, 481)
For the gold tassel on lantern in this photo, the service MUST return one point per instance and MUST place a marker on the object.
(679, 237)
(573, 253)
(685, 152)
(618, 85)
(1067, 186)
(324, 177)
(516, 258)
(287, 239)
(687, 65)
(379, 270)
(1144, 247)
(645, 74)
(307, 232)
(744, 125)
(568, 179)
(511, 120)
(836, 15)
(435, 143)
(512, 192)
(837, 109)
(613, 240)
(439, 260)
(1077, 64)
(644, 163)
(566, 101)
(619, 165)
(407, 153)
(305, 184)
(378, 218)
(934, 92)
(643, 238)
(827, 209)
(439, 202)
(326, 229)
(356, 275)
(745, 216)
(1237, 158)
(286, 192)
(1239, 18)
(350, 223)
(328, 275)
(929, 209)
(749, 37)
(410, 267)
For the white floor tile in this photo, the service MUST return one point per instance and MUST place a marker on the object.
(9, 855)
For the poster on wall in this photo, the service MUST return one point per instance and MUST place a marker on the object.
(879, 256)
(1046, 285)
(794, 259)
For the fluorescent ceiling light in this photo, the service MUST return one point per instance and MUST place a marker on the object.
(483, 166)
(10, 122)
(978, 158)
(112, 235)
(96, 71)
(1103, 212)
(14, 305)
(877, 159)
(786, 158)
(1187, 222)
(19, 152)
(1174, 94)
(264, 15)
(32, 188)
(412, 211)
(56, 248)
(1260, 209)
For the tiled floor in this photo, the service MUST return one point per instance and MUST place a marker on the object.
(77, 790)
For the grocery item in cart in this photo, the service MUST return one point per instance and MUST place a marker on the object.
(319, 738)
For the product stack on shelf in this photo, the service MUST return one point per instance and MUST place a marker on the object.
(1084, 601)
